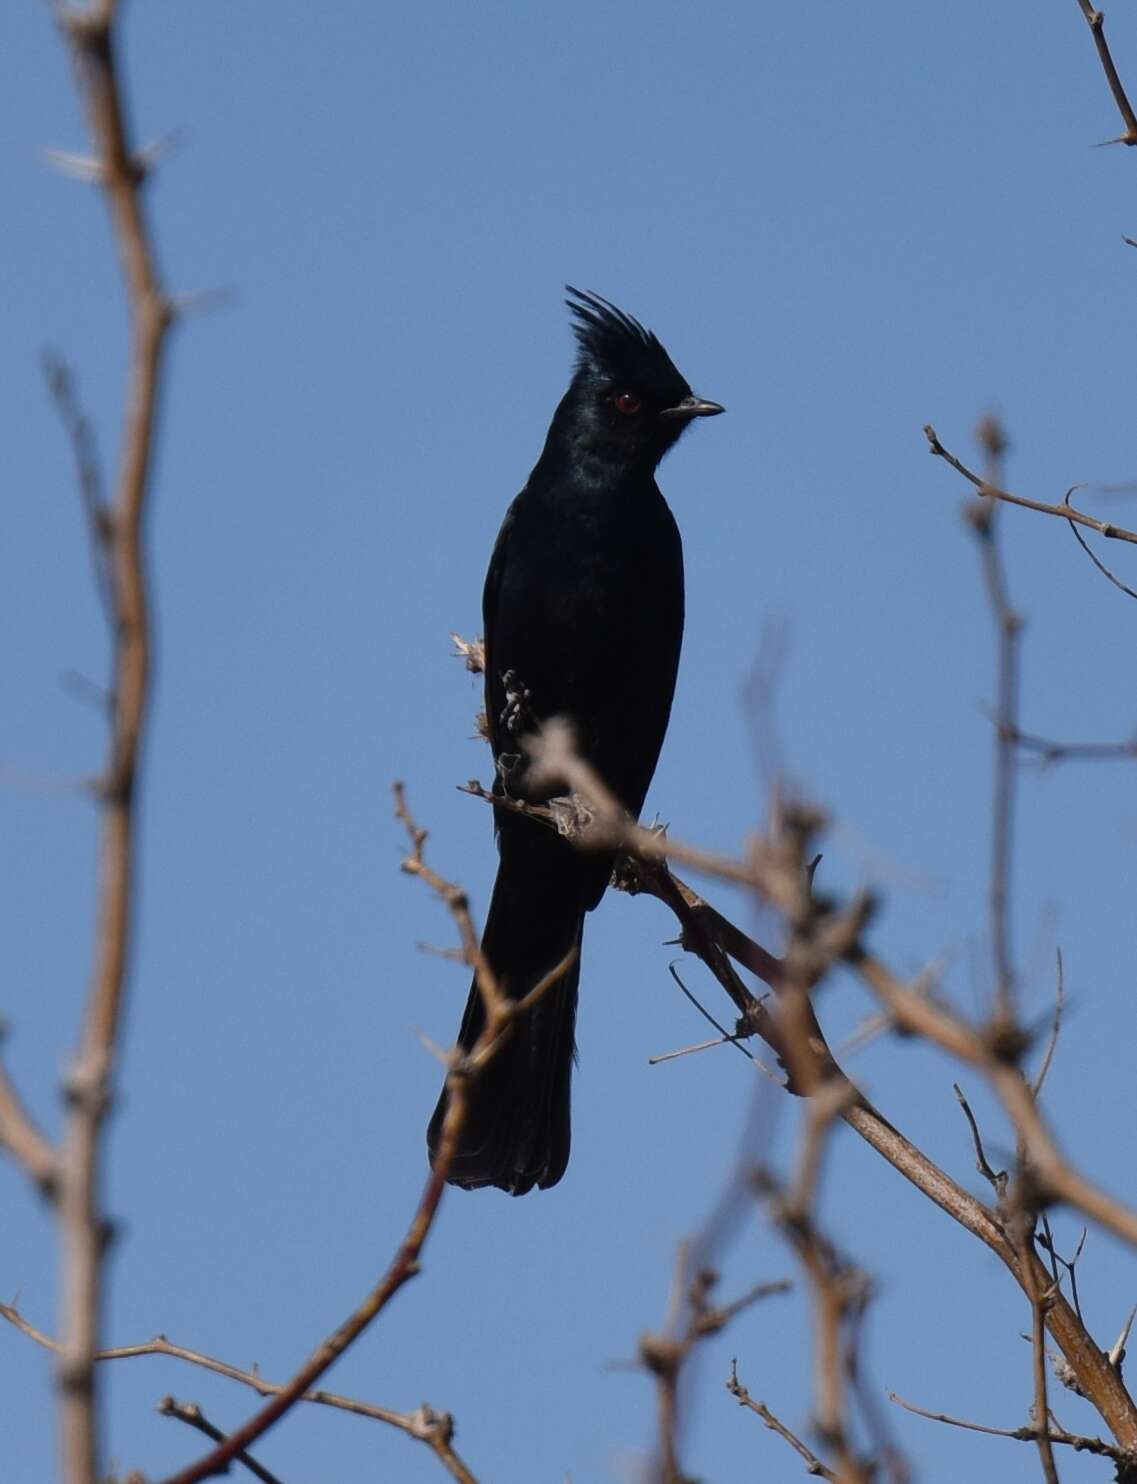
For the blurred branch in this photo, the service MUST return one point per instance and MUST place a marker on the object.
(665, 1355)
(924, 1016)
(24, 1141)
(463, 1068)
(1055, 1028)
(436, 1429)
(117, 540)
(100, 530)
(1096, 22)
(1008, 626)
(1058, 752)
(837, 1289)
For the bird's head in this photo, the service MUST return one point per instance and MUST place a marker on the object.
(627, 403)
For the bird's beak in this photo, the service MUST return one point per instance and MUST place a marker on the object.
(692, 407)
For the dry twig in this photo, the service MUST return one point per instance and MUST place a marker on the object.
(117, 538)
(435, 1429)
(991, 492)
(1096, 22)
(1029, 1434)
(1008, 627)
(813, 1464)
(501, 1015)
(192, 1415)
(911, 1009)
(665, 1355)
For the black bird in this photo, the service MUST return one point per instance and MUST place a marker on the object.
(583, 611)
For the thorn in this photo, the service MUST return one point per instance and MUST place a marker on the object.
(201, 301)
(151, 154)
(1117, 1353)
(74, 166)
(434, 1048)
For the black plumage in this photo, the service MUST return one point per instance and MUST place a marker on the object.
(583, 611)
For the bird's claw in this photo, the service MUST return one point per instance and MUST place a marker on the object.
(516, 716)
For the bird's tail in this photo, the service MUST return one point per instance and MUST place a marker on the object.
(517, 1128)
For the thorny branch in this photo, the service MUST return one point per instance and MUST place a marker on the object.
(435, 1429)
(1025, 1434)
(1008, 627)
(813, 1464)
(192, 1415)
(501, 1016)
(665, 1355)
(774, 867)
(117, 543)
(836, 1290)
(24, 1141)
(989, 491)
(1095, 19)
(1019, 1213)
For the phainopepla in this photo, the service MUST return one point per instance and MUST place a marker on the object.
(583, 611)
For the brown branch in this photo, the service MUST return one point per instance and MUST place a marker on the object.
(1051, 751)
(117, 531)
(1038, 1301)
(664, 1356)
(501, 1016)
(997, 1179)
(1008, 627)
(24, 1141)
(434, 1428)
(1025, 1434)
(1096, 1377)
(192, 1415)
(1096, 22)
(81, 436)
(1055, 1028)
(989, 492)
(923, 1016)
(813, 1464)
(836, 1290)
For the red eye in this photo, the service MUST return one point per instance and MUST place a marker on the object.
(628, 403)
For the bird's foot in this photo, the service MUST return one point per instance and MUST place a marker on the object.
(516, 717)
(509, 766)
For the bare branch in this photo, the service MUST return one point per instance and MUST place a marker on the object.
(1055, 1028)
(665, 1355)
(997, 1179)
(1058, 752)
(1041, 1408)
(191, 1414)
(1008, 627)
(100, 528)
(770, 868)
(425, 1424)
(1096, 22)
(501, 1015)
(25, 1142)
(813, 1464)
(923, 1016)
(987, 491)
(118, 539)
(1022, 1434)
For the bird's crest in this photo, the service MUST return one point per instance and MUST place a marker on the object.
(617, 347)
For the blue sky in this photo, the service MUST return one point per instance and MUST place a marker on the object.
(843, 224)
